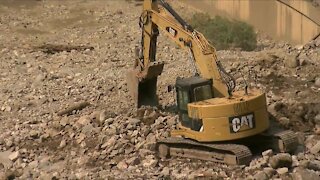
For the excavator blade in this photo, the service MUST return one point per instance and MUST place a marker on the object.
(144, 90)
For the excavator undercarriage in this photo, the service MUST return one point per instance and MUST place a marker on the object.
(233, 152)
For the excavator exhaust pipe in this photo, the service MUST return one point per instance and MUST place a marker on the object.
(143, 85)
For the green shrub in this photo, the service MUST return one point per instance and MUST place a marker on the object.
(224, 33)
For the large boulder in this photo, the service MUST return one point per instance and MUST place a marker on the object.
(304, 174)
(291, 61)
(281, 160)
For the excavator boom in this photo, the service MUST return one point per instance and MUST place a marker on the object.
(143, 79)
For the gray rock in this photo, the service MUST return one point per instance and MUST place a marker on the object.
(269, 171)
(109, 121)
(240, 80)
(111, 131)
(150, 118)
(150, 161)
(150, 142)
(82, 160)
(303, 59)
(258, 163)
(268, 153)
(316, 148)
(282, 171)
(317, 82)
(291, 61)
(45, 175)
(122, 165)
(12, 174)
(275, 107)
(310, 141)
(8, 108)
(304, 164)
(34, 164)
(87, 129)
(4, 160)
(84, 120)
(64, 121)
(9, 143)
(284, 121)
(3, 175)
(63, 144)
(303, 174)
(34, 134)
(165, 171)
(223, 174)
(303, 94)
(129, 150)
(81, 175)
(171, 121)
(102, 116)
(133, 161)
(134, 134)
(317, 119)
(295, 161)
(44, 162)
(280, 160)
(40, 78)
(134, 121)
(300, 110)
(80, 138)
(27, 174)
(14, 156)
(317, 41)
(177, 174)
(314, 165)
(109, 143)
(260, 176)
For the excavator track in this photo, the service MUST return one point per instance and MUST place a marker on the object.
(228, 153)
(282, 140)
(235, 154)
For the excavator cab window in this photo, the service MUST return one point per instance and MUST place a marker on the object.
(190, 90)
(202, 93)
(183, 100)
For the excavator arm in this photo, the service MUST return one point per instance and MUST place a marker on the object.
(158, 15)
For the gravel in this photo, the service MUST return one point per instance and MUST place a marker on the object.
(108, 137)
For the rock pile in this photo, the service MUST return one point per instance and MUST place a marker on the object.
(67, 114)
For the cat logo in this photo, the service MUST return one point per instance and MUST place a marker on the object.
(242, 123)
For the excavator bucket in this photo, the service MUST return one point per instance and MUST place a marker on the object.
(144, 89)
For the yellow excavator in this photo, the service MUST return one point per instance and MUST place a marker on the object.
(216, 123)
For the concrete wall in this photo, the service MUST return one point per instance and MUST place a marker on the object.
(296, 21)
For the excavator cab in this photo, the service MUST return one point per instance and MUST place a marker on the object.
(190, 90)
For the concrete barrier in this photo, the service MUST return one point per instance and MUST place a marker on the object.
(295, 21)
